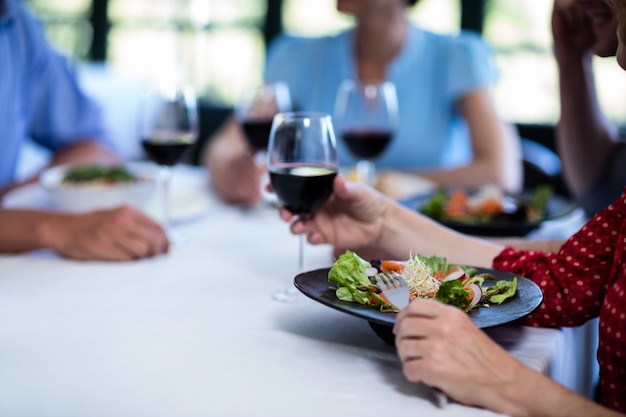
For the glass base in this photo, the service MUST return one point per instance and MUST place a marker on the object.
(286, 295)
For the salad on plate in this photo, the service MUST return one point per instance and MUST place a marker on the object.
(428, 277)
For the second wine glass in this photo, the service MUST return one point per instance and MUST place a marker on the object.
(367, 118)
(302, 164)
(169, 129)
(255, 112)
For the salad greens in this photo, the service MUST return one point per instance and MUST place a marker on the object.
(95, 172)
(355, 282)
(486, 205)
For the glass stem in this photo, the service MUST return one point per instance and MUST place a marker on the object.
(166, 176)
(301, 253)
(365, 170)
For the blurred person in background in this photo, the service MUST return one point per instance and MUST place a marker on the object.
(41, 100)
(592, 155)
(449, 132)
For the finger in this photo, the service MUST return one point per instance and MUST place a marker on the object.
(418, 308)
(135, 247)
(138, 235)
(285, 214)
(410, 347)
(298, 227)
(315, 238)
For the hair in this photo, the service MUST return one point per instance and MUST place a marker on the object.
(411, 3)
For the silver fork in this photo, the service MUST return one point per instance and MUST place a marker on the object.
(395, 289)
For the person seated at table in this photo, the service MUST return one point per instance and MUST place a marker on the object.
(449, 132)
(439, 345)
(41, 99)
(592, 155)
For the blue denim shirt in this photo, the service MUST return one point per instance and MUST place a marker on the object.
(40, 98)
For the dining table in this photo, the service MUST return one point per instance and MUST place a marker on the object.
(196, 332)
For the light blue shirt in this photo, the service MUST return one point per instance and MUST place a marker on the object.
(39, 95)
(431, 73)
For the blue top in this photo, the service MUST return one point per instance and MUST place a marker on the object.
(431, 73)
(39, 94)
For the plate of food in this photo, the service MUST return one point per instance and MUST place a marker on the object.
(491, 297)
(488, 211)
(80, 188)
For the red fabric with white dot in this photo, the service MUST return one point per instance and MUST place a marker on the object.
(585, 279)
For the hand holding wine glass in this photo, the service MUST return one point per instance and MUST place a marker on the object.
(367, 117)
(169, 129)
(302, 163)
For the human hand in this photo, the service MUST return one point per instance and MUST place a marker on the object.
(440, 346)
(119, 234)
(237, 178)
(352, 216)
(571, 30)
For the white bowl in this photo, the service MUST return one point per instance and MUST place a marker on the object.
(87, 197)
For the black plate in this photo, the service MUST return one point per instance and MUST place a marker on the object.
(557, 207)
(315, 285)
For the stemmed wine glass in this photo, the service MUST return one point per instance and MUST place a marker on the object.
(255, 112)
(302, 164)
(169, 128)
(366, 116)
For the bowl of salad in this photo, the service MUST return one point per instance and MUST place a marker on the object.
(489, 211)
(80, 188)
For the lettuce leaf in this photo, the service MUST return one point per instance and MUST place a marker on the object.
(453, 293)
(348, 272)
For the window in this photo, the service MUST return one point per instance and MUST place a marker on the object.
(221, 45)
(527, 90)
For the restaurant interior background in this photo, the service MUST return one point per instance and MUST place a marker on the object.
(221, 45)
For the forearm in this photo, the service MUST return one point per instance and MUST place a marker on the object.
(496, 149)
(226, 143)
(584, 136)
(25, 230)
(528, 244)
(531, 394)
(82, 152)
(405, 232)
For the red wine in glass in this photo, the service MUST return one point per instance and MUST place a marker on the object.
(302, 188)
(169, 129)
(302, 164)
(256, 110)
(367, 116)
(257, 133)
(367, 144)
(167, 148)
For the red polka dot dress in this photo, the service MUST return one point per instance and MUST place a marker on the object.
(584, 280)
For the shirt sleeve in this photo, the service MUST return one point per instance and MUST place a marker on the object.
(60, 111)
(574, 281)
(470, 64)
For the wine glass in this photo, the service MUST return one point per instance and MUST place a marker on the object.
(302, 164)
(169, 129)
(366, 116)
(255, 112)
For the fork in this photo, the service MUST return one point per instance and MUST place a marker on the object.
(395, 290)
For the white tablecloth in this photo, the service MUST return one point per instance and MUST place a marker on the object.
(196, 333)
